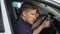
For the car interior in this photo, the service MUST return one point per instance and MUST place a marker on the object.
(13, 14)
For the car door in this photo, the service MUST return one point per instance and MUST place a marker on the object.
(5, 27)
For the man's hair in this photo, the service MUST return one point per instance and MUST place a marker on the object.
(27, 5)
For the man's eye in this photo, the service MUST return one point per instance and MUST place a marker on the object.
(33, 14)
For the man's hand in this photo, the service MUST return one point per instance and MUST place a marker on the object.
(45, 24)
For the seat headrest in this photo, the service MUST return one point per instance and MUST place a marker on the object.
(16, 4)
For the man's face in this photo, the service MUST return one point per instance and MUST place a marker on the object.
(30, 15)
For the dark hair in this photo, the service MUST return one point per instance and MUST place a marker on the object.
(27, 5)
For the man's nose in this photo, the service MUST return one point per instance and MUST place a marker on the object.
(34, 17)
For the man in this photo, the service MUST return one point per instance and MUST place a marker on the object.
(23, 25)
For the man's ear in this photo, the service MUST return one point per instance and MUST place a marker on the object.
(24, 13)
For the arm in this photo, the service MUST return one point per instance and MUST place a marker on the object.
(38, 30)
(45, 24)
(37, 22)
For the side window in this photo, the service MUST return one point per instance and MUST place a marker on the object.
(1, 22)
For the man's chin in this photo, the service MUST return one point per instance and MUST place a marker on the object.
(31, 23)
